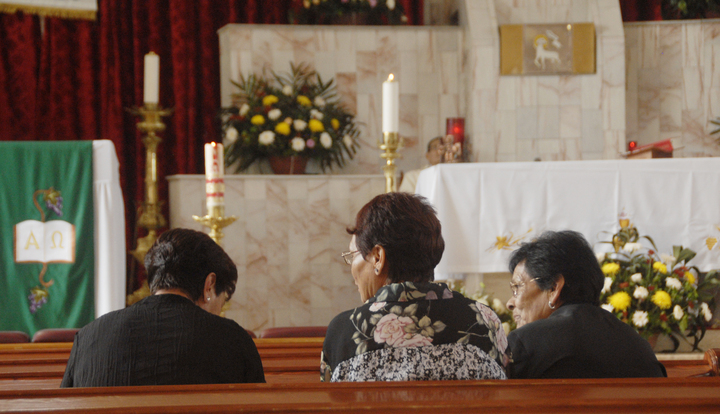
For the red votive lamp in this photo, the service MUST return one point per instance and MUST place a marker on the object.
(456, 128)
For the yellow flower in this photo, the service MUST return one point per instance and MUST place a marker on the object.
(257, 120)
(304, 100)
(620, 300)
(690, 278)
(269, 100)
(316, 126)
(660, 267)
(335, 123)
(610, 269)
(282, 128)
(662, 299)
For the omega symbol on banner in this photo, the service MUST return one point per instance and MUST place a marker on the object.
(44, 242)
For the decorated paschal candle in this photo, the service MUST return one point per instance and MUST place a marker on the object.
(214, 171)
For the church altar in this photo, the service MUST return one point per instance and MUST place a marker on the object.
(486, 209)
(286, 242)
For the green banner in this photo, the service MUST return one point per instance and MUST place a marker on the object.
(47, 257)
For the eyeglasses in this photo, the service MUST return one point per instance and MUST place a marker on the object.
(348, 256)
(515, 287)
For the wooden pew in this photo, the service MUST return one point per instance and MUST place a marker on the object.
(646, 395)
(287, 360)
(30, 365)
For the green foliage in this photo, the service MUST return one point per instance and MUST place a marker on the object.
(373, 12)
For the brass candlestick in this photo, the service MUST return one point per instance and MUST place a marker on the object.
(391, 144)
(216, 220)
(150, 214)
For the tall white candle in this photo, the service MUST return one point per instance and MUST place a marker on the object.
(390, 105)
(214, 171)
(151, 85)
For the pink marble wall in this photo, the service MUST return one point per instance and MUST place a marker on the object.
(673, 84)
(425, 60)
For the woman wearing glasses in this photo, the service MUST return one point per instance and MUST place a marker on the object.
(408, 327)
(174, 336)
(562, 330)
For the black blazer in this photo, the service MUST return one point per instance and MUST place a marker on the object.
(162, 340)
(580, 341)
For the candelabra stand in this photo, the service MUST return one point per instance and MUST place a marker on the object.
(391, 144)
(216, 220)
(150, 214)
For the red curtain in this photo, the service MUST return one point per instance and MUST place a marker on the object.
(73, 79)
(641, 10)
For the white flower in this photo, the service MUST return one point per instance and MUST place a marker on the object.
(640, 318)
(678, 312)
(314, 113)
(266, 138)
(287, 90)
(668, 259)
(498, 306)
(608, 307)
(600, 256)
(325, 140)
(673, 283)
(274, 114)
(706, 311)
(319, 102)
(231, 135)
(640, 292)
(391, 4)
(632, 247)
(637, 278)
(608, 285)
(244, 109)
(299, 125)
(297, 144)
(347, 141)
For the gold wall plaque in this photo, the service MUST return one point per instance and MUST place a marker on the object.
(544, 49)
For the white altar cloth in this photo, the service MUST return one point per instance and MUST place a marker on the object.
(674, 201)
(109, 229)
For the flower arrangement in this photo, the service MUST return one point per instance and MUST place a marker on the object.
(374, 12)
(295, 114)
(656, 293)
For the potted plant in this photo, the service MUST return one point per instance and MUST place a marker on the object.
(656, 293)
(292, 117)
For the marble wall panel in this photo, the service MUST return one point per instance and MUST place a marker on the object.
(426, 60)
(671, 70)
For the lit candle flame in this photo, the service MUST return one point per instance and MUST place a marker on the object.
(391, 77)
(213, 144)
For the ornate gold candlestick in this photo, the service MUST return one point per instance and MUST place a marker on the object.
(150, 214)
(216, 220)
(391, 144)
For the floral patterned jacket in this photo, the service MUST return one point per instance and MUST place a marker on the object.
(414, 331)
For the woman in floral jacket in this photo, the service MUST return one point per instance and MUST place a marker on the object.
(408, 327)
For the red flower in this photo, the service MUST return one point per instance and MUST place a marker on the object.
(651, 251)
(623, 285)
(651, 287)
(624, 314)
(663, 317)
(691, 305)
(236, 118)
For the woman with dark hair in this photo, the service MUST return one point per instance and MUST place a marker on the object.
(562, 330)
(408, 327)
(174, 336)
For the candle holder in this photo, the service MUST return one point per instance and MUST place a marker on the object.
(391, 144)
(216, 221)
(150, 214)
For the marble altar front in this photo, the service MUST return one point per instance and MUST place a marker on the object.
(286, 242)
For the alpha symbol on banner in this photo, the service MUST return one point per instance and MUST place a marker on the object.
(44, 242)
